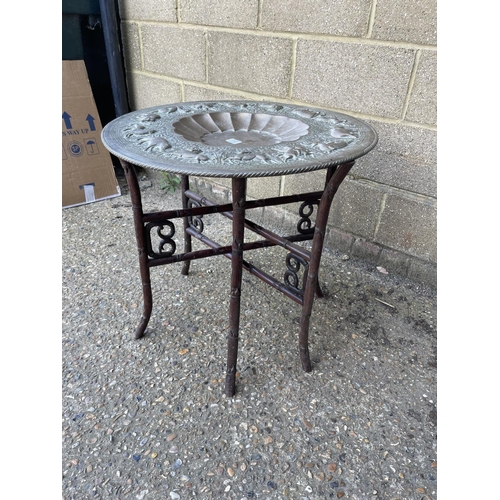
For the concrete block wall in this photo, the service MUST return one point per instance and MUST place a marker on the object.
(373, 59)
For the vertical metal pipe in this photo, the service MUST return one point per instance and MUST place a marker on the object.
(114, 55)
(239, 197)
(187, 236)
(135, 197)
(334, 182)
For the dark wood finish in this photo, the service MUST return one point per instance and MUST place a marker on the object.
(333, 183)
(259, 273)
(135, 197)
(187, 236)
(286, 243)
(239, 187)
(211, 208)
(236, 212)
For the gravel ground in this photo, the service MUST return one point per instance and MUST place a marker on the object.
(147, 419)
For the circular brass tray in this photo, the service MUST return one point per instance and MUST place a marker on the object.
(237, 138)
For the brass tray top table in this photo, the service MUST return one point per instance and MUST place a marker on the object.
(237, 140)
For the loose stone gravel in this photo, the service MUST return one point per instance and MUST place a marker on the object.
(147, 419)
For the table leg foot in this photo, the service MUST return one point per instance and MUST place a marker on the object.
(146, 313)
(304, 358)
(139, 332)
(304, 332)
(230, 388)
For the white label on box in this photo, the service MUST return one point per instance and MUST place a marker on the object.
(89, 192)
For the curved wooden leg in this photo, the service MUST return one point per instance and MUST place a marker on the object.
(312, 287)
(135, 197)
(187, 237)
(239, 197)
(146, 314)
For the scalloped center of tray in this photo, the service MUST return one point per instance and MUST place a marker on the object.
(240, 130)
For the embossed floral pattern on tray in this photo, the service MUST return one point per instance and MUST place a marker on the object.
(237, 138)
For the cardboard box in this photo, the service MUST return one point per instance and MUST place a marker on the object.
(87, 169)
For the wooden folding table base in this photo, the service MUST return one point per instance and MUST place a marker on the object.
(194, 207)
